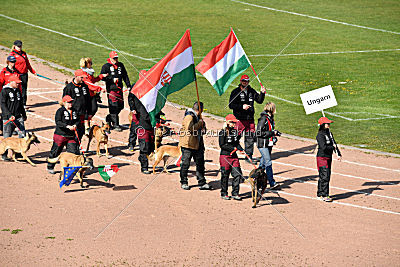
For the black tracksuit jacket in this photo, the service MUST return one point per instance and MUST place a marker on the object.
(228, 141)
(115, 71)
(63, 119)
(12, 103)
(265, 129)
(238, 98)
(81, 96)
(326, 144)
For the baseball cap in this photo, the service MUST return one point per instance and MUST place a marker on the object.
(67, 98)
(113, 54)
(11, 59)
(323, 120)
(18, 43)
(14, 78)
(80, 72)
(231, 117)
(245, 78)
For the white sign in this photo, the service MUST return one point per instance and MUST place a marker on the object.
(318, 99)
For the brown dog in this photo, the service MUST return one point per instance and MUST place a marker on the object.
(164, 153)
(69, 159)
(19, 145)
(101, 135)
(257, 180)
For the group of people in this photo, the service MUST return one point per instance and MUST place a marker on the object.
(80, 103)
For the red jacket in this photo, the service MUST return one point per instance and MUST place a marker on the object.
(22, 64)
(5, 75)
(89, 80)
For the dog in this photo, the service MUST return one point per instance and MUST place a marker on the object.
(19, 145)
(164, 153)
(101, 135)
(69, 159)
(257, 180)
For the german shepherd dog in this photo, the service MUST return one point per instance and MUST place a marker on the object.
(101, 135)
(69, 159)
(19, 145)
(257, 180)
(164, 153)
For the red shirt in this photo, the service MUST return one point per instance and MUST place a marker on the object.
(5, 75)
(90, 80)
(22, 64)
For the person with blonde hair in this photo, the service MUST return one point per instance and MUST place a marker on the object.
(266, 139)
(23, 65)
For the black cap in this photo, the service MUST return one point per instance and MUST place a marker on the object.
(11, 59)
(18, 43)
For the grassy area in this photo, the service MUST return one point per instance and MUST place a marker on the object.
(151, 28)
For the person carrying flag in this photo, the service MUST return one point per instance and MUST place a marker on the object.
(134, 123)
(67, 122)
(241, 101)
(23, 65)
(79, 91)
(229, 139)
(116, 74)
(12, 108)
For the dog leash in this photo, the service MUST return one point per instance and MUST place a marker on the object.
(80, 145)
(255, 167)
(10, 120)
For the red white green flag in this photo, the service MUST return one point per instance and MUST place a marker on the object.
(224, 63)
(170, 74)
(108, 171)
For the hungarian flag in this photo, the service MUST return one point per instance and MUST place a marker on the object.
(107, 171)
(170, 74)
(224, 63)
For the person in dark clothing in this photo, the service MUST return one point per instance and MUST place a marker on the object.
(116, 74)
(145, 132)
(326, 146)
(266, 139)
(67, 121)
(79, 91)
(192, 145)
(134, 123)
(241, 101)
(229, 139)
(12, 108)
(23, 66)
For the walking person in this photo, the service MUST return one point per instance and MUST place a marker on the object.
(326, 146)
(23, 65)
(94, 90)
(12, 108)
(192, 146)
(229, 139)
(116, 74)
(79, 91)
(241, 101)
(266, 139)
(134, 123)
(67, 121)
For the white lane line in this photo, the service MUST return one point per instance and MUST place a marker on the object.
(216, 150)
(313, 17)
(41, 93)
(329, 53)
(345, 161)
(73, 37)
(244, 170)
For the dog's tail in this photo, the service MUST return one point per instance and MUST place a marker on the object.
(53, 160)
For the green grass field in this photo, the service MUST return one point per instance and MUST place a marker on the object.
(151, 28)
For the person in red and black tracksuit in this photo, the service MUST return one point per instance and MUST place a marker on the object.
(241, 101)
(145, 133)
(5, 74)
(116, 74)
(94, 90)
(134, 124)
(67, 121)
(229, 143)
(23, 65)
(326, 146)
(79, 91)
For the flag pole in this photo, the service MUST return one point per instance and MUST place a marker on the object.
(251, 65)
(195, 78)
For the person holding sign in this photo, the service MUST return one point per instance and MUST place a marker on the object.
(326, 146)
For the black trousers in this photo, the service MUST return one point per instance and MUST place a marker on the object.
(236, 174)
(56, 150)
(24, 86)
(249, 140)
(114, 108)
(132, 134)
(145, 149)
(323, 182)
(198, 156)
(92, 110)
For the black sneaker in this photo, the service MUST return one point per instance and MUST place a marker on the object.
(5, 158)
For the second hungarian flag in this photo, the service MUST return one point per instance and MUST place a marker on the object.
(224, 63)
(170, 74)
